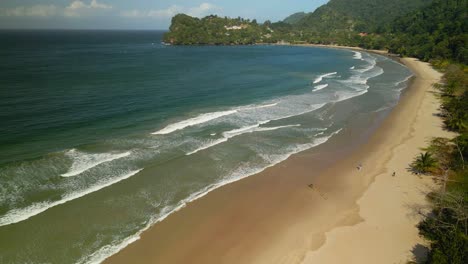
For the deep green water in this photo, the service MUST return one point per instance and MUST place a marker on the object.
(104, 133)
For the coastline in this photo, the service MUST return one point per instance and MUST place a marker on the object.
(274, 217)
(390, 206)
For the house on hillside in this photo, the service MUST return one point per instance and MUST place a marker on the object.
(243, 26)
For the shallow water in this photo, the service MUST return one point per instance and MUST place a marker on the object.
(105, 133)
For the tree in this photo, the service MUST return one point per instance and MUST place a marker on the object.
(424, 163)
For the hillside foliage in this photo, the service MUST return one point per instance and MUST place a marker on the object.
(295, 18)
(426, 29)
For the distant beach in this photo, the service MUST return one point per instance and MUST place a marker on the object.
(311, 207)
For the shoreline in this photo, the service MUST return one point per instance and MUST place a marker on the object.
(245, 222)
(390, 207)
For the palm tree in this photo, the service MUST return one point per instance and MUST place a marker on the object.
(424, 163)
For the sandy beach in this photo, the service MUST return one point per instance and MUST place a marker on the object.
(315, 207)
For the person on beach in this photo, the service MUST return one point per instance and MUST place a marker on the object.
(393, 174)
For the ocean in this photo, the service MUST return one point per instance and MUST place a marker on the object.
(105, 133)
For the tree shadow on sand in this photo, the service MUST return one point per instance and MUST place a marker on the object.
(419, 253)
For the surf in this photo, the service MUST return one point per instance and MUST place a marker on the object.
(21, 214)
(320, 87)
(237, 132)
(117, 245)
(85, 161)
(320, 78)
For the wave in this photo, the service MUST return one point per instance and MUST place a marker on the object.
(313, 108)
(193, 121)
(320, 87)
(237, 132)
(371, 63)
(18, 215)
(359, 80)
(352, 68)
(404, 80)
(209, 145)
(320, 78)
(85, 161)
(116, 246)
(203, 118)
(257, 107)
(357, 55)
(383, 108)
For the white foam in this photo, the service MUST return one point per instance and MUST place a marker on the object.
(404, 80)
(357, 55)
(320, 78)
(371, 63)
(359, 81)
(236, 132)
(84, 161)
(352, 68)
(313, 108)
(209, 145)
(193, 121)
(106, 251)
(320, 87)
(203, 118)
(383, 108)
(257, 107)
(18, 215)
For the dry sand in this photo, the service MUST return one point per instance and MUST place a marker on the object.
(389, 208)
(350, 216)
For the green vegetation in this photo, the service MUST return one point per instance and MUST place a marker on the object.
(214, 30)
(295, 18)
(425, 29)
(424, 163)
(446, 227)
(340, 21)
(439, 31)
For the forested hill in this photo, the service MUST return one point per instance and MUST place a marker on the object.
(295, 18)
(426, 29)
(214, 30)
(336, 19)
(359, 15)
(439, 31)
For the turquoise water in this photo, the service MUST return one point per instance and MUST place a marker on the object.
(105, 133)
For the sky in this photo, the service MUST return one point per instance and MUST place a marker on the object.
(137, 14)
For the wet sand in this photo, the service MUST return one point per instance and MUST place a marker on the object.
(349, 215)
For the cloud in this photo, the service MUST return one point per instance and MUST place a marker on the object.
(197, 11)
(30, 11)
(157, 13)
(77, 4)
(79, 8)
(203, 10)
(76, 8)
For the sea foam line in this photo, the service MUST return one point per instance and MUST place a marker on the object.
(320, 78)
(404, 80)
(106, 251)
(18, 215)
(257, 107)
(320, 87)
(193, 121)
(357, 55)
(203, 118)
(84, 161)
(237, 132)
